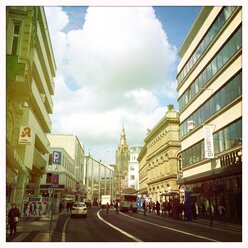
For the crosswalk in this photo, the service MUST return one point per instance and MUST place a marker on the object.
(34, 236)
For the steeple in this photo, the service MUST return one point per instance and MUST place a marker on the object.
(123, 140)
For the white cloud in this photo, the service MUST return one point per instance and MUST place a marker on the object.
(120, 59)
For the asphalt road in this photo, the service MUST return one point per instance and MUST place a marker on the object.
(135, 227)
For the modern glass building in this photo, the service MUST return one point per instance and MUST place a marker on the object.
(99, 180)
(210, 104)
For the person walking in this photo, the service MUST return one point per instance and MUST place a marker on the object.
(158, 207)
(144, 206)
(117, 207)
(13, 217)
(222, 211)
(40, 209)
(107, 207)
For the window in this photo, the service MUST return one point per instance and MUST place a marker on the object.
(214, 65)
(219, 60)
(132, 177)
(16, 31)
(233, 134)
(223, 98)
(221, 141)
(217, 101)
(232, 46)
(209, 72)
(227, 138)
(239, 39)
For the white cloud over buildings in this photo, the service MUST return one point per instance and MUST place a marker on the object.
(121, 62)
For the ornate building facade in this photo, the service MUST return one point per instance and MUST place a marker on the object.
(159, 157)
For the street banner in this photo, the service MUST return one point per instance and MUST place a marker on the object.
(208, 141)
(25, 135)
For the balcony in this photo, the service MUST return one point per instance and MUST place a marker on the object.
(39, 162)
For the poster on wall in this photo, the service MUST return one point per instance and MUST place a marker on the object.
(35, 206)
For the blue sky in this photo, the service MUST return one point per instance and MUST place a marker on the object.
(115, 66)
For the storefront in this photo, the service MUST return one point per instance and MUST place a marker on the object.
(222, 185)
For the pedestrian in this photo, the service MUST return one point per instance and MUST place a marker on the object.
(158, 207)
(107, 207)
(131, 207)
(144, 207)
(61, 207)
(117, 207)
(40, 208)
(163, 208)
(150, 206)
(221, 211)
(13, 218)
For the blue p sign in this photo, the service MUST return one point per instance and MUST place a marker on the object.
(56, 157)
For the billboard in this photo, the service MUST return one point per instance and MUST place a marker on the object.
(25, 135)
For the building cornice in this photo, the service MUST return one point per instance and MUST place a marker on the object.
(172, 176)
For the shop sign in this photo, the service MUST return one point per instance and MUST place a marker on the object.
(232, 158)
(25, 135)
(208, 141)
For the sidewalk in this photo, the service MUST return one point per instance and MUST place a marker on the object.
(33, 229)
(203, 221)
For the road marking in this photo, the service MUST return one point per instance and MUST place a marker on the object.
(118, 229)
(63, 233)
(172, 229)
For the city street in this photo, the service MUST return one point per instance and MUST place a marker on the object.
(129, 227)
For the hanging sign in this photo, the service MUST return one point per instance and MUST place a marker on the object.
(208, 141)
(25, 135)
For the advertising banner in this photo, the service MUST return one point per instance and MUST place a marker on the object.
(208, 141)
(35, 206)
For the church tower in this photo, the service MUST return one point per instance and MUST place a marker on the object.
(122, 159)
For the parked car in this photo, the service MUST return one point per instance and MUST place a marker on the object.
(79, 208)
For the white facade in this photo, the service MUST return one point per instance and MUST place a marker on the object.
(133, 167)
(67, 160)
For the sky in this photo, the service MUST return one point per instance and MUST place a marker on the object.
(116, 67)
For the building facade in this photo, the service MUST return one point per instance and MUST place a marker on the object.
(143, 187)
(210, 104)
(66, 159)
(121, 169)
(133, 167)
(99, 180)
(161, 153)
(30, 69)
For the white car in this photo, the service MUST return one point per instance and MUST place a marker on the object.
(79, 208)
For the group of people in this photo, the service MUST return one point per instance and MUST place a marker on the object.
(178, 210)
(65, 205)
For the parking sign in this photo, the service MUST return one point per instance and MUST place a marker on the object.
(56, 157)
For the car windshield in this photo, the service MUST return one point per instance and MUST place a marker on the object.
(79, 205)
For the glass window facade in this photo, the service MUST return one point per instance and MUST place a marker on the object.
(220, 99)
(212, 32)
(222, 57)
(224, 139)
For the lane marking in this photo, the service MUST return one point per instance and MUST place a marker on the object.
(118, 229)
(172, 229)
(63, 233)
